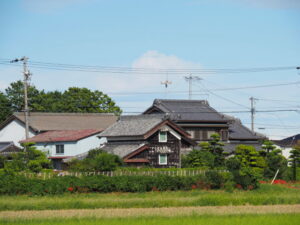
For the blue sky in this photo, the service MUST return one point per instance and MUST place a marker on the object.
(179, 34)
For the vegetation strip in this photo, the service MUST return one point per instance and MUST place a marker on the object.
(240, 219)
(141, 212)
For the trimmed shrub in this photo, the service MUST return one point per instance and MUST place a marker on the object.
(17, 184)
(214, 179)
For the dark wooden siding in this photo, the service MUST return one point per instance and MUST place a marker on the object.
(152, 154)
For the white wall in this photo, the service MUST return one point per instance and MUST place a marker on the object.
(14, 131)
(285, 151)
(71, 148)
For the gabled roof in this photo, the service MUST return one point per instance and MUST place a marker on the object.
(62, 135)
(64, 121)
(140, 126)
(200, 111)
(186, 110)
(289, 141)
(7, 148)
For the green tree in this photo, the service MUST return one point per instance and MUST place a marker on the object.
(5, 106)
(29, 158)
(274, 161)
(84, 100)
(211, 154)
(15, 95)
(249, 157)
(246, 166)
(72, 100)
(215, 146)
(295, 161)
(198, 158)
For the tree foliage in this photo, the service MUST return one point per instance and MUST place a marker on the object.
(5, 106)
(295, 161)
(246, 166)
(215, 147)
(211, 154)
(74, 99)
(274, 161)
(28, 159)
(96, 160)
(198, 158)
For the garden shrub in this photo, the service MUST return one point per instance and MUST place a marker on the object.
(34, 166)
(13, 184)
(96, 160)
(214, 179)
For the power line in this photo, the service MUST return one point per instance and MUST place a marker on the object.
(222, 97)
(122, 70)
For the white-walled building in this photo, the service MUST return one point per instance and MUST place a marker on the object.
(287, 144)
(13, 129)
(64, 144)
(61, 135)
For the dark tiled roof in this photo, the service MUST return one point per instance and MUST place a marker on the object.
(133, 125)
(289, 142)
(230, 147)
(122, 149)
(7, 148)
(238, 131)
(199, 110)
(62, 135)
(188, 110)
(66, 121)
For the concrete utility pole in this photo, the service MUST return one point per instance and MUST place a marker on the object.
(26, 74)
(190, 79)
(252, 99)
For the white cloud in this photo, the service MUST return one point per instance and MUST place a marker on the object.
(145, 82)
(156, 60)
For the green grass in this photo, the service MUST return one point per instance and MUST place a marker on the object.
(266, 195)
(268, 219)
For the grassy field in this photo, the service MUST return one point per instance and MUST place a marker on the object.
(266, 195)
(269, 219)
(268, 205)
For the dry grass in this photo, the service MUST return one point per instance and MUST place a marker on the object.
(141, 212)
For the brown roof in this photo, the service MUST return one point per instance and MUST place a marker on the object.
(62, 135)
(66, 121)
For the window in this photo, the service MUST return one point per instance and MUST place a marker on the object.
(162, 136)
(162, 159)
(60, 149)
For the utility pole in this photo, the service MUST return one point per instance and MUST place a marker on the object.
(190, 79)
(26, 75)
(166, 83)
(252, 99)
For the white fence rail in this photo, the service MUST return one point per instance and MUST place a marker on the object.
(118, 173)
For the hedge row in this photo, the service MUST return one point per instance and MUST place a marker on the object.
(13, 184)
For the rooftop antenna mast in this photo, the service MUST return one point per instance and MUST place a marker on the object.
(190, 79)
(166, 83)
